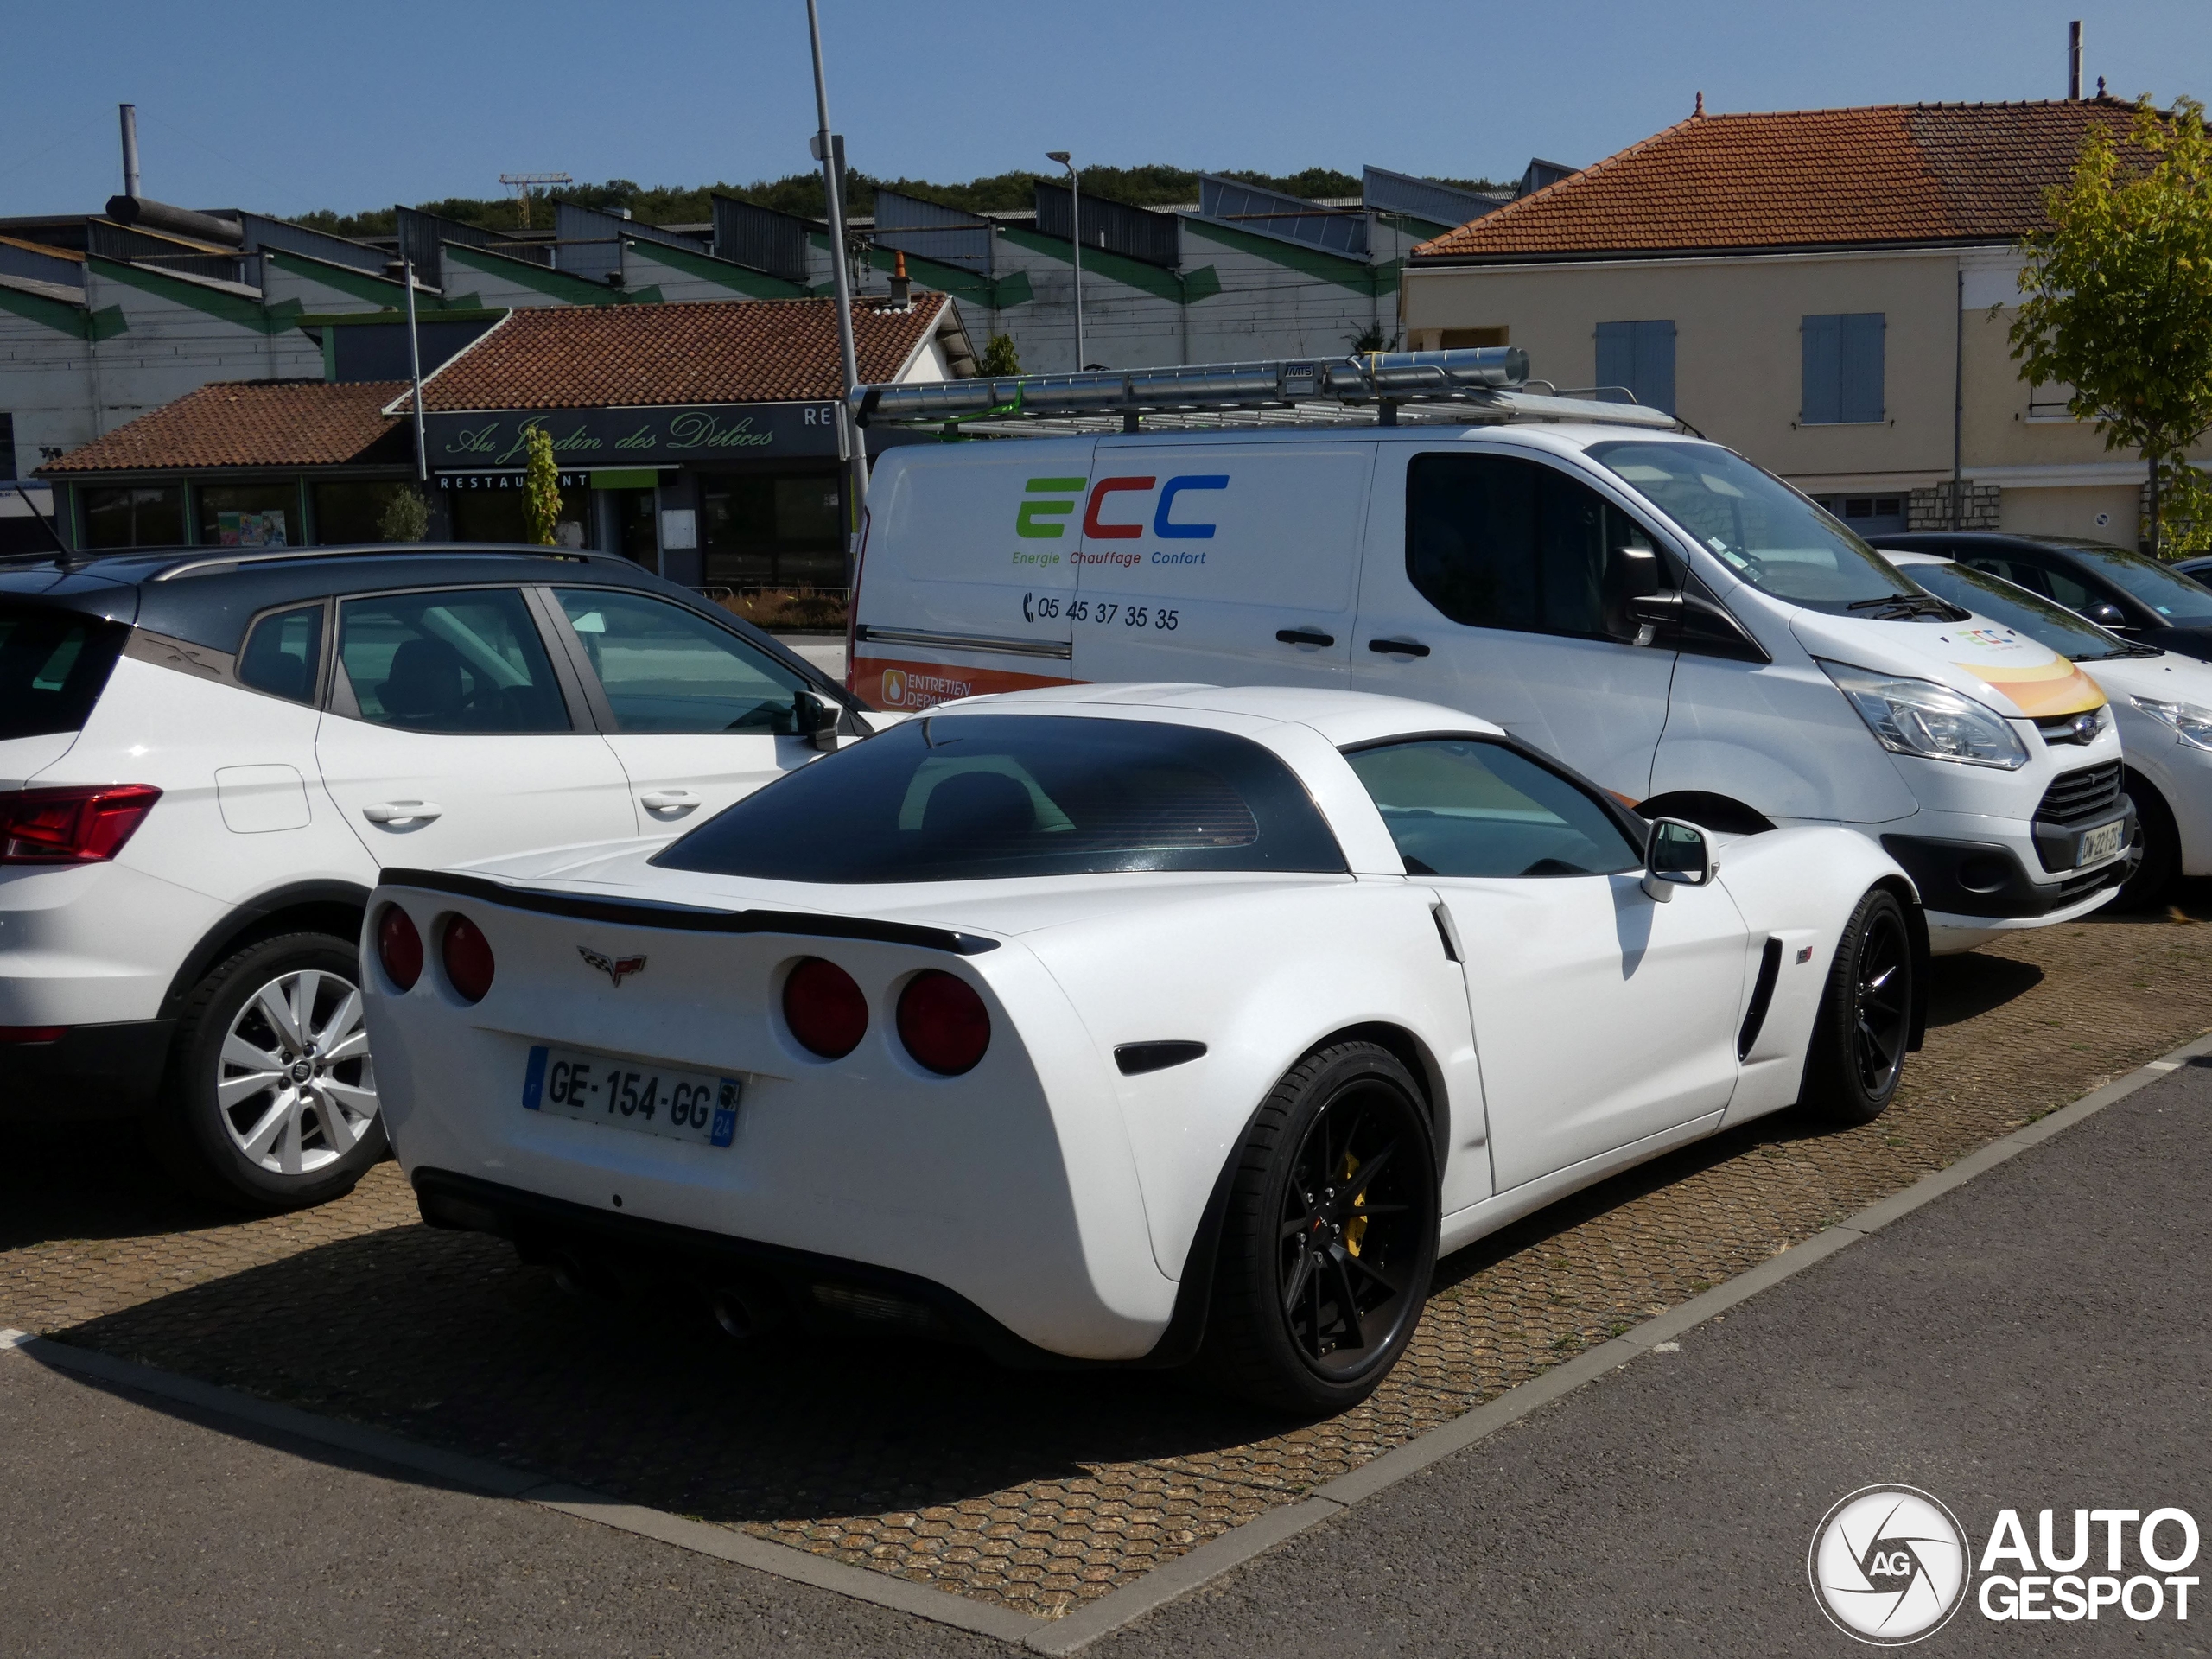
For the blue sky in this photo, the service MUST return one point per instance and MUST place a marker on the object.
(287, 107)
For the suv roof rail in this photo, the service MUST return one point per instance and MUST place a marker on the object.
(1485, 383)
(218, 559)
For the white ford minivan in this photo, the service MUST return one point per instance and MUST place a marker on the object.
(1650, 607)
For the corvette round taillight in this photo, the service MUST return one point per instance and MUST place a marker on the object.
(467, 956)
(944, 1023)
(824, 1009)
(399, 947)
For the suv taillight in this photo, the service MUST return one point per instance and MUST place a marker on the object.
(72, 826)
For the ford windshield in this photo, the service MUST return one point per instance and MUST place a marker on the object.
(1764, 530)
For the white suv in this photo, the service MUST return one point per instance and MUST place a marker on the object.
(206, 758)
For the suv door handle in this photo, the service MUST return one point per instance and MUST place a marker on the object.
(401, 811)
(1304, 637)
(668, 800)
(1398, 647)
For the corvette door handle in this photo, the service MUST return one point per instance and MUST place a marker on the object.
(668, 800)
(401, 811)
(1304, 637)
(1398, 647)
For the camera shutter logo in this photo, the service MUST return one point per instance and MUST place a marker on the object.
(1888, 1565)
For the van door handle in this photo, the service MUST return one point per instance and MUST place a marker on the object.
(401, 811)
(668, 800)
(1304, 637)
(1398, 647)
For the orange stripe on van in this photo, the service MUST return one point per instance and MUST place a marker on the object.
(897, 683)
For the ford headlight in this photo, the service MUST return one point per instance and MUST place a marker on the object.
(2192, 722)
(1933, 722)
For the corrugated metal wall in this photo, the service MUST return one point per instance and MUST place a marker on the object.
(1440, 204)
(945, 234)
(760, 238)
(1116, 228)
(288, 237)
(1268, 213)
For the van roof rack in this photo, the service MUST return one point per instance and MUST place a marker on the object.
(1487, 384)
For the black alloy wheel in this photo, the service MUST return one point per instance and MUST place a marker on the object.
(1330, 1239)
(1864, 1023)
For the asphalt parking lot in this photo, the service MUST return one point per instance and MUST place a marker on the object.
(1034, 1492)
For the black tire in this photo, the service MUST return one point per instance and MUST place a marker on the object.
(191, 1128)
(1864, 1022)
(2161, 845)
(1294, 1261)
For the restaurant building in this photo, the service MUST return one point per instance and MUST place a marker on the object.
(699, 439)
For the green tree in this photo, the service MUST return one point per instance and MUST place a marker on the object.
(542, 488)
(406, 516)
(2120, 289)
(999, 358)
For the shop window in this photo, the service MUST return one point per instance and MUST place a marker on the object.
(1842, 369)
(762, 531)
(493, 507)
(1641, 357)
(350, 511)
(248, 515)
(134, 515)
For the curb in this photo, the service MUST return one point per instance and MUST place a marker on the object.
(1169, 1581)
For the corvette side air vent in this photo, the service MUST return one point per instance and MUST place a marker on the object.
(1135, 1058)
(1761, 994)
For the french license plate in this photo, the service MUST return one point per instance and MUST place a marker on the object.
(2102, 843)
(638, 1095)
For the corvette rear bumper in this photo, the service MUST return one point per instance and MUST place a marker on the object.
(827, 1294)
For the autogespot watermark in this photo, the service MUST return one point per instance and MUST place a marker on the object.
(1890, 1565)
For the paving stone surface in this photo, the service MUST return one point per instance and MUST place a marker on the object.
(1037, 1491)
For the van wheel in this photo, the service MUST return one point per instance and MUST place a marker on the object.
(2161, 846)
(1865, 1021)
(270, 1101)
(1330, 1236)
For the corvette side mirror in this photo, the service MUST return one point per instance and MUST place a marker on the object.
(1676, 854)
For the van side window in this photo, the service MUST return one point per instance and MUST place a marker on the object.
(283, 654)
(1497, 542)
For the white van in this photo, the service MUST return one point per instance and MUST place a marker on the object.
(1652, 609)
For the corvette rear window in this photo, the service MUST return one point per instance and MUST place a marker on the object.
(978, 798)
(54, 665)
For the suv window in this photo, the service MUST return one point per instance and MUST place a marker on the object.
(668, 670)
(54, 665)
(283, 653)
(976, 797)
(467, 661)
(1464, 806)
(1499, 542)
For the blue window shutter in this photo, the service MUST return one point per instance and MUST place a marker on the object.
(1860, 386)
(1821, 403)
(1655, 364)
(1616, 355)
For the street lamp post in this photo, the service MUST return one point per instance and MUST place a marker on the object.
(1075, 234)
(829, 151)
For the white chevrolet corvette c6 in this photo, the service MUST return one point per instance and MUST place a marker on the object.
(1136, 1024)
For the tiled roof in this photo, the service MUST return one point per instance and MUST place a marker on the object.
(710, 351)
(250, 423)
(1898, 173)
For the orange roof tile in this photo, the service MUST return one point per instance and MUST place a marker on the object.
(249, 423)
(704, 352)
(1898, 172)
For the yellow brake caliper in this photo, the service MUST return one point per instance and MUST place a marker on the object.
(1355, 1229)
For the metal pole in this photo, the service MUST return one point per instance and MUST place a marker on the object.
(1075, 236)
(2073, 62)
(129, 149)
(826, 150)
(415, 373)
(1959, 406)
